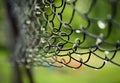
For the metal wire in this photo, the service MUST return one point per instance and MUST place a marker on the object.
(69, 33)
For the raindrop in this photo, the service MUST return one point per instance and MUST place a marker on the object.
(70, 0)
(43, 58)
(38, 12)
(98, 41)
(101, 24)
(106, 52)
(105, 61)
(30, 55)
(42, 29)
(48, 55)
(46, 6)
(43, 40)
(101, 35)
(28, 22)
(35, 59)
(28, 60)
(36, 49)
(38, 55)
(78, 31)
(29, 50)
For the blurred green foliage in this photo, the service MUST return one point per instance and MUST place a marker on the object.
(2, 26)
(5, 66)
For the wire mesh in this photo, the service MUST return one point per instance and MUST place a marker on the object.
(68, 33)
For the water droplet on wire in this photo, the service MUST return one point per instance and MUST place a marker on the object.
(28, 22)
(98, 40)
(101, 24)
(68, 0)
(30, 55)
(101, 35)
(42, 29)
(43, 40)
(46, 6)
(37, 7)
(38, 12)
(78, 31)
(28, 60)
(105, 61)
(106, 52)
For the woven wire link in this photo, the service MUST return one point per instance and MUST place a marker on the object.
(70, 33)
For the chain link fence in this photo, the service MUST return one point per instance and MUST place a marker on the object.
(59, 33)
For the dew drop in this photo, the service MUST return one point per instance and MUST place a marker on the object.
(30, 55)
(101, 35)
(35, 59)
(38, 55)
(28, 22)
(105, 61)
(28, 60)
(43, 40)
(49, 54)
(38, 12)
(36, 49)
(106, 52)
(42, 29)
(78, 31)
(43, 58)
(46, 6)
(101, 24)
(37, 7)
(98, 41)
(68, 0)
(29, 50)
